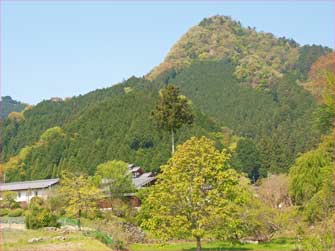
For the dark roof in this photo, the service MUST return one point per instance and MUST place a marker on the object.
(25, 185)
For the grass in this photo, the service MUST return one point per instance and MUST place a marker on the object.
(18, 240)
(275, 245)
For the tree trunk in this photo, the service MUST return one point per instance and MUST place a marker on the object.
(198, 243)
(172, 141)
(79, 216)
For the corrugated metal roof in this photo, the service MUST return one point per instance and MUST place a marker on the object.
(25, 185)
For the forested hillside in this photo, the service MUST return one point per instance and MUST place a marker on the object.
(217, 65)
(118, 126)
(279, 120)
(8, 105)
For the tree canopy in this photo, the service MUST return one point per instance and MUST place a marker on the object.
(196, 195)
(80, 195)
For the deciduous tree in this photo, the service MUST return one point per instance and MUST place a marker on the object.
(196, 195)
(81, 196)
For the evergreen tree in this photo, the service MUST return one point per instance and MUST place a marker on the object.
(172, 111)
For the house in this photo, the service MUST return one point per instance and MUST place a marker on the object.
(140, 178)
(28, 189)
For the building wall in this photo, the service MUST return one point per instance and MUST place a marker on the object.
(26, 195)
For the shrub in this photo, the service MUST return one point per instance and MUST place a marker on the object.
(38, 215)
(15, 212)
(3, 212)
(8, 200)
(40, 218)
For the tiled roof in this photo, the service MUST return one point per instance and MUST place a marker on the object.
(25, 185)
(138, 182)
(142, 180)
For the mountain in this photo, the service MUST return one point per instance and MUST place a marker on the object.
(243, 84)
(9, 105)
(259, 58)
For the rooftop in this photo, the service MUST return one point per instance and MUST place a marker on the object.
(143, 180)
(25, 185)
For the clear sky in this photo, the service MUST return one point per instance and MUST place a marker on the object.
(69, 48)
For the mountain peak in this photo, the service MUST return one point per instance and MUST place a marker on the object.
(215, 20)
(259, 57)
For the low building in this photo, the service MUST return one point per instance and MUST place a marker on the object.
(140, 178)
(28, 189)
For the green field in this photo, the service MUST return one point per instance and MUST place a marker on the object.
(275, 245)
(18, 241)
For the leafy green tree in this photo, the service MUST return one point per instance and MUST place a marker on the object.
(321, 205)
(172, 111)
(309, 172)
(197, 195)
(115, 174)
(80, 195)
(52, 134)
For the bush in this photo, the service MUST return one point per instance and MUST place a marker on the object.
(42, 218)
(15, 212)
(3, 212)
(8, 200)
(38, 215)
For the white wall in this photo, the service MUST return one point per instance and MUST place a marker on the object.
(26, 195)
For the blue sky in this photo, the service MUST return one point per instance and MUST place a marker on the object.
(69, 48)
